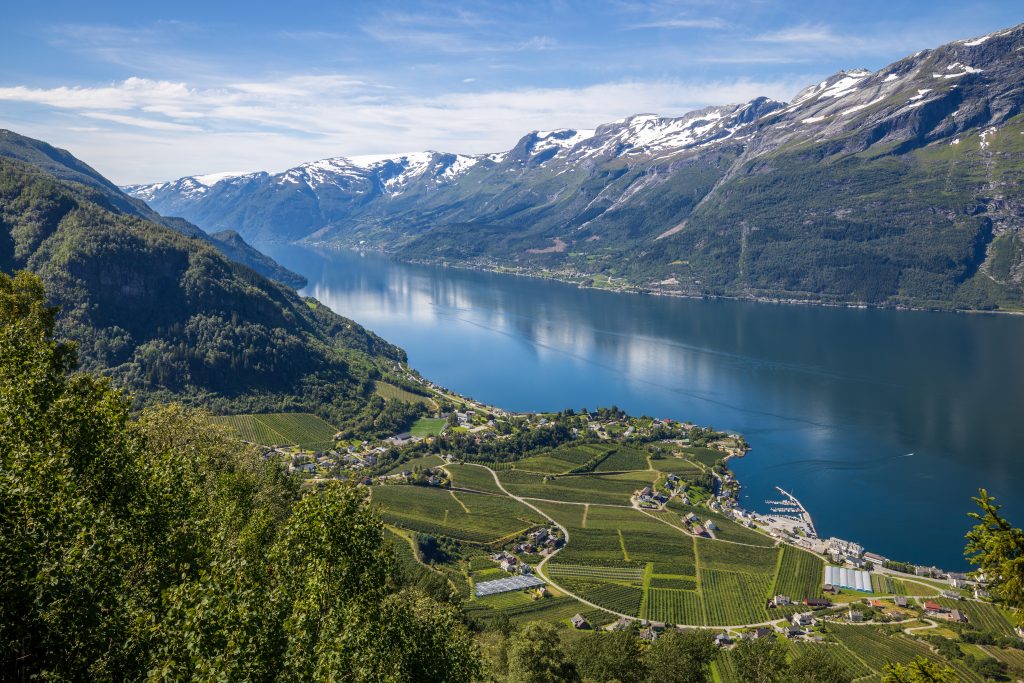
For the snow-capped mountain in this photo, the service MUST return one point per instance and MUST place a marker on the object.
(732, 199)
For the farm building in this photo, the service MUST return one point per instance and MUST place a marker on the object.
(854, 579)
(506, 585)
(579, 621)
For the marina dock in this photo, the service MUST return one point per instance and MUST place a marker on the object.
(792, 506)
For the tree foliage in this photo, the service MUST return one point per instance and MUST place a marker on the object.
(761, 660)
(161, 547)
(996, 547)
(682, 657)
(921, 670)
(535, 655)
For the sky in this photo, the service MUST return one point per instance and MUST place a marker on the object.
(146, 92)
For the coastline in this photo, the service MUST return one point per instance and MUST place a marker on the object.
(631, 288)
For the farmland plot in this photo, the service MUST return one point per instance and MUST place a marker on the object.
(675, 606)
(734, 598)
(435, 511)
(800, 574)
(282, 429)
(473, 477)
(737, 558)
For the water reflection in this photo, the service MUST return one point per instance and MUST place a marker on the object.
(833, 400)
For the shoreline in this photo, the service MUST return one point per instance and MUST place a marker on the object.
(638, 290)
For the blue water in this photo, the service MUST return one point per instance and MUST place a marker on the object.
(883, 423)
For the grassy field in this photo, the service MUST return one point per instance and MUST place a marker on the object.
(427, 426)
(282, 429)
(470, 517)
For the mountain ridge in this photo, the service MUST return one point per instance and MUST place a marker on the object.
(63, 165)
(702, 204)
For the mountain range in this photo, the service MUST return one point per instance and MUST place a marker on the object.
(894, 187)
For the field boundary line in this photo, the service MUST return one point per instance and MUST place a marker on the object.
(622, 544)
(466, 509)
(586, 510)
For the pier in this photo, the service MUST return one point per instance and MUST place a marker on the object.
(793, 506)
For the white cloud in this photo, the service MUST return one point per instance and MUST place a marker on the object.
(161, 129)
(803, 34)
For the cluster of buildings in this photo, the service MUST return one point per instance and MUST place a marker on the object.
(706, 529)
(541, 540)
(648, 497)
(934, 609)
(511, 564)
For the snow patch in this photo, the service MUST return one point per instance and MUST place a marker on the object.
(976, 41)
(211, 179)
(890, 78)
(983, 138)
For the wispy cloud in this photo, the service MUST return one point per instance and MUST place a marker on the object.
(683, 23)
(280, 122)
(803, 34)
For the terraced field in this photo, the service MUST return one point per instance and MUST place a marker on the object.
(624, 458)
(473, 477)
(625, 560)
(567, 458)
(800, 574)
(876, 647)
(734, 597)
(558, 609)
(282, 429)
(734, 557)
(582, 488)
(676, 465)
(981, 615)
(391, 392)
(470, 517)
(675, 606)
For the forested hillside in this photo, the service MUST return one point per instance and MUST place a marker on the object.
(167, 316)
(63, 166)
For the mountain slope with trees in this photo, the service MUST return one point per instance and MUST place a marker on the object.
(65, 167)
(167, 316)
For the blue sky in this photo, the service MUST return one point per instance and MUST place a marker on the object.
(151, 91)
